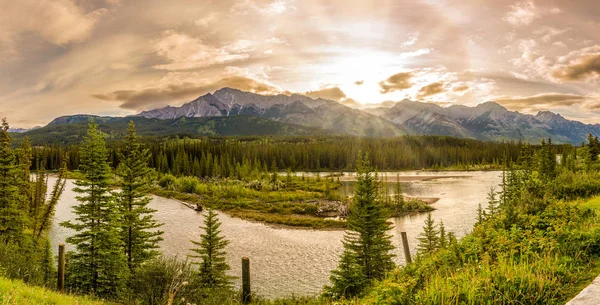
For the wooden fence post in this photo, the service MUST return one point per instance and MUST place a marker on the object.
(406, 249)
(246, 297)
(61, 268)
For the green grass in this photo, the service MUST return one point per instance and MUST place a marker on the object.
(236, 209)
(592, 203)
(14, 292)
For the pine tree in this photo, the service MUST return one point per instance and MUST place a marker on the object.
(398, 196)
(44, 208)
(443, 241)
(12, 218)
(211, 251)
(348, 279)
(366, 239)
(492, 202)
(99, 265)
(24, 156)
(480, 215)
(429, 238)
(140, 240)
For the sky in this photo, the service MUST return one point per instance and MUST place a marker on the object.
(119, 57)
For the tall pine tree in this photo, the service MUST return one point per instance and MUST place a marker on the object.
(366, 242)
(429, 239)
(99, 265)
(140, 239)
(12, 215)
(211, 251)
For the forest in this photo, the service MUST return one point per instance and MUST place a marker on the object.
(536, 241)
(223, 156)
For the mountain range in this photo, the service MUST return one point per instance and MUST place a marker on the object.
(233, 112)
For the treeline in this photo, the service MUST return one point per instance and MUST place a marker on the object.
(228, 156)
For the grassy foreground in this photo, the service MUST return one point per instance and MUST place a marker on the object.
(547, 258)
(13, 292)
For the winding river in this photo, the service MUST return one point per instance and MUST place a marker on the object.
(288, 261)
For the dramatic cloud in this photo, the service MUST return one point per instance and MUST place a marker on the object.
(59, 22)
(584, 68)
(54, 54)
(184, 52)
(154, 97)
(546, 101)
(396, 82)
(431, 89)
(333, 93)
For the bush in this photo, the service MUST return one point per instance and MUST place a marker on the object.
(151, 282)
(187, 184)
(30, 262)
(168, 182)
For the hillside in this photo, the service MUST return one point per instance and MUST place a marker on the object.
(71, 129)
(17, 293)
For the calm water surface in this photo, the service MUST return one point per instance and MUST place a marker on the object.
(298, 262)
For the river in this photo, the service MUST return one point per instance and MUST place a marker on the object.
(288, 261)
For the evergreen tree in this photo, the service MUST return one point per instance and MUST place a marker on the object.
(429, 239)
(12, 218)
(480, 215)
(348, 279)
(99, 265)
(211, 251)
(43, 207)
(24, 156)
(443, 236)
(366, 239)
(492, 202)
(593, 147)
(398, 196)
(140, 240)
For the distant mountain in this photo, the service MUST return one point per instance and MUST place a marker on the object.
(21, 130)
(295, 109)
(487, 121)
(72, 129)
(233, 112)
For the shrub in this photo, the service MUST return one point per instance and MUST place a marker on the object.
(187, 184)
(168, 182)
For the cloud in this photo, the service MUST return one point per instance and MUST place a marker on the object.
(396, 82)
(207, 20)
(546, 101)
(526, 12)
(522, 13)
(412, 39)
(273, 8)
(333, 93)
(184, 52)
(547, 32)
(60, 22)
(531, 61)
(431, 89)
(460, 88)
(586, 67)
(150, 98)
